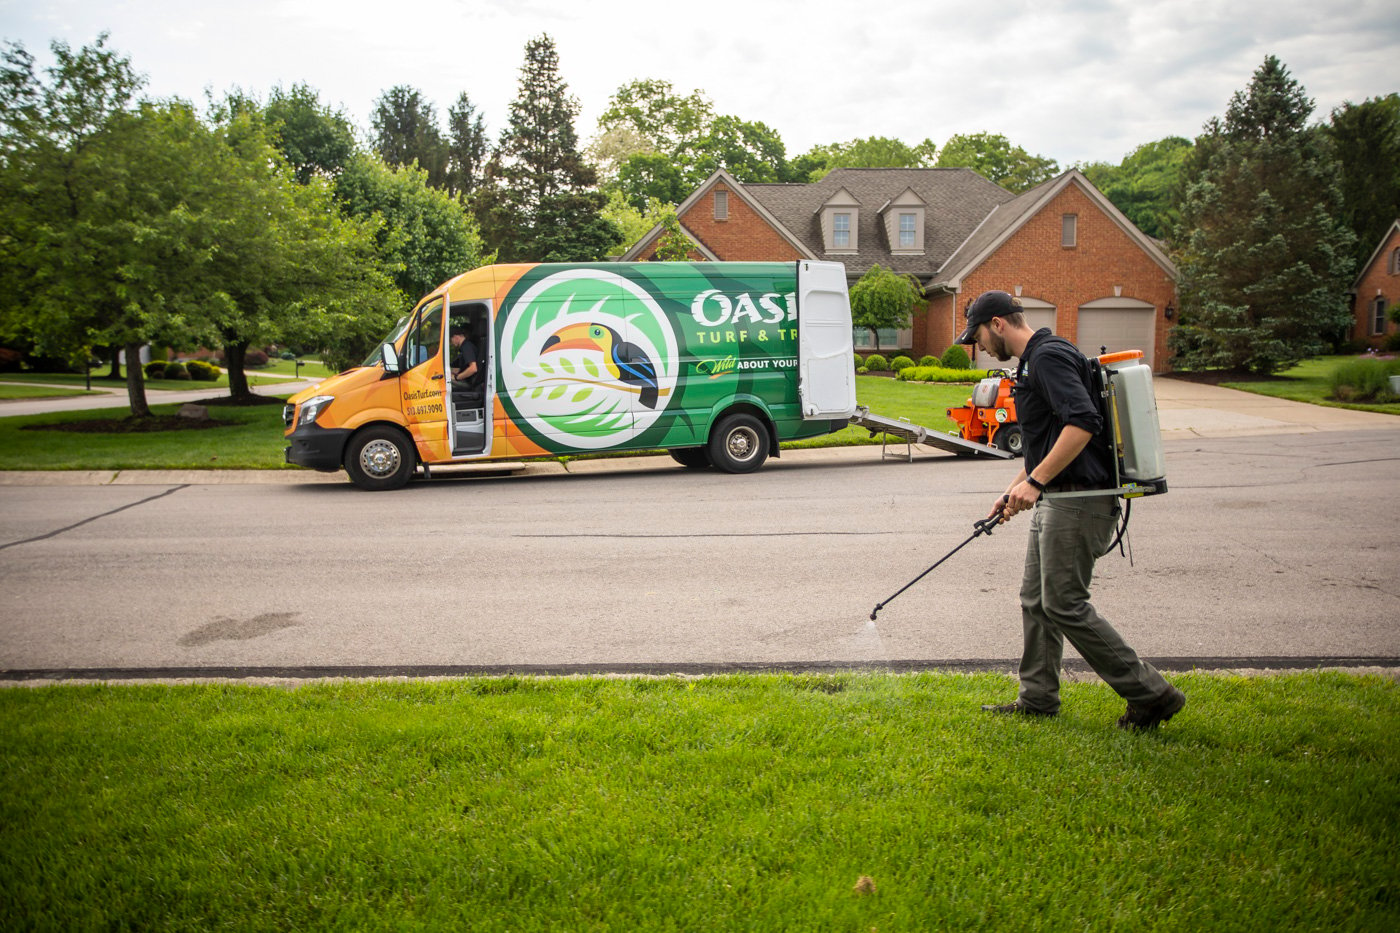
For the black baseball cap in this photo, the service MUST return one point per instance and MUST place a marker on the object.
(985, 307)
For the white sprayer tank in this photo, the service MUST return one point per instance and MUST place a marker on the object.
(1135, 411)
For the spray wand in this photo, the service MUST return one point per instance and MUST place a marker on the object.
(983, 526)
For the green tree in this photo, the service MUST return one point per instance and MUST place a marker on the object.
(406, 133)
(1366, 138)
(633, 223)
(1264, 262)
(665, 121)
(95, 226)
(884, 299)
(285, 266)
(423, 234)
(546, 206)
(750, 151)
(673, 245)
(871, 152)
(468, 148)
(1146, 186)
(315, 139)
(648, 176)
(994, 158)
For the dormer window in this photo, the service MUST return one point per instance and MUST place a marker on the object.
(904, 223)
(906, 231)
(721, 204)
(841, 231)
(840, 217)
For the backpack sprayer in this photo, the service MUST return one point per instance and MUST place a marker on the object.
(1129, 408)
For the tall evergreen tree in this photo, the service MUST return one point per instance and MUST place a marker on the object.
(1264, 261)
(406, 132)
(1367, 141)
(467, 147)
(547, 208)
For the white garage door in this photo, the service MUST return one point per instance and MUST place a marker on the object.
(1118, 324)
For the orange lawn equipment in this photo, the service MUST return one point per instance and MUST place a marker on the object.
(989, 417)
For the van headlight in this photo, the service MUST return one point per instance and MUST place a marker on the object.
(311, 409)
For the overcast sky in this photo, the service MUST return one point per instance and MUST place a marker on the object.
(1072, 80)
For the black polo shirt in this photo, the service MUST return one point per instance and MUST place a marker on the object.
(1055, 387)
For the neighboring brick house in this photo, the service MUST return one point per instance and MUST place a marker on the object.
(1376, 289)
(1076, 262)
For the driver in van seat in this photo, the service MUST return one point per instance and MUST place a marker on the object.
(464, 365)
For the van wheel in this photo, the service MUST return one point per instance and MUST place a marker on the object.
(697, 458)
(738, 444)
(380, 458)
(1010, 440)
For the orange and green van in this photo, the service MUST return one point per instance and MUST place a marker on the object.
(716, 362)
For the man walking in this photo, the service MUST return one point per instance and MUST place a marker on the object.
(1066, 451)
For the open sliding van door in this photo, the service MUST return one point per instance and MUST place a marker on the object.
(826, 384)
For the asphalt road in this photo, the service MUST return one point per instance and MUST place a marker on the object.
(1274, 547)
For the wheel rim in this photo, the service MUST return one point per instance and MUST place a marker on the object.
(1013, 443)
(380, 459)
(742, 444)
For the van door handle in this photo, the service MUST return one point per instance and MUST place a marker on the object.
(438, 377)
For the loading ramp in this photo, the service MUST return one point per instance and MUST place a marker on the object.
(912, 434)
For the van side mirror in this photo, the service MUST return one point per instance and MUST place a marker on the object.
(391, 360)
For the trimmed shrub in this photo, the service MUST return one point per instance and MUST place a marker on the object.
(155, 369)
(940, 374)
(254, 358)
(859, 362)
(288, 355)
(202, 371)
(1392, 342)
(861, 370)
(176, 371)
(876, 363)
(900, 363)
(955, 357)
(929, 361)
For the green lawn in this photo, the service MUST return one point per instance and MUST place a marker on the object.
(15, 390)
(1309, 382)
(255, 377)
(251, 439)
(728, 803)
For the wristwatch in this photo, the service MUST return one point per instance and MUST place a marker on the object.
(1035, 482)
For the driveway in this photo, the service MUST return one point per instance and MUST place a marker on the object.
(1191, 409)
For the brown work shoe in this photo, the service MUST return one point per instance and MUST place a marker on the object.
(1143, 718)
(1015, 709)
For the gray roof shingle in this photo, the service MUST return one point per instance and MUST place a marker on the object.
(957, 200)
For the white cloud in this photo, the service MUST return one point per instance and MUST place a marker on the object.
(1075, 80)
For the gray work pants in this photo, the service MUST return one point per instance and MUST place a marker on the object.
(1068, 535)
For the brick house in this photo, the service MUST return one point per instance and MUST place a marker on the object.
(1376, 289)
(1079, 266)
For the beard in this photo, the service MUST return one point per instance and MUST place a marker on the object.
(996, 346)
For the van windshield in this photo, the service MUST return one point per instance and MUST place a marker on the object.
(377, 357)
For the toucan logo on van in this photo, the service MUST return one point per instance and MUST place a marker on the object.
(590, 359)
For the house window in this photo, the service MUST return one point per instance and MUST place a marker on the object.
(906, 231)
(841, 231)
(1377, 317)
(1069, 230)
(721, 205)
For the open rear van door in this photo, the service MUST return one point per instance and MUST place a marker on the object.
(826, 383)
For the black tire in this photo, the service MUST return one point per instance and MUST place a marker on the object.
(1010, 439)
(380, 458)
(738, 444)
(696, 458)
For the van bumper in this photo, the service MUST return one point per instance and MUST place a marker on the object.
(318, 448)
